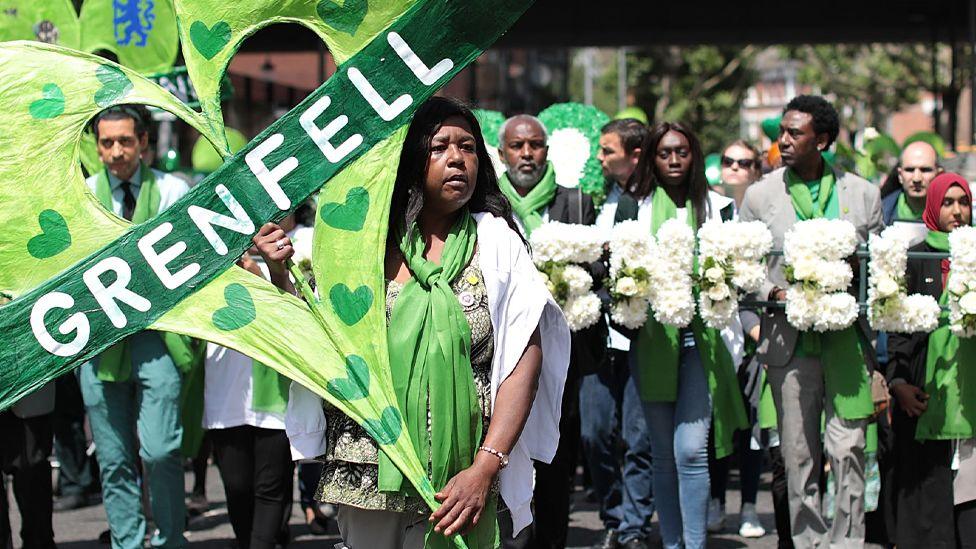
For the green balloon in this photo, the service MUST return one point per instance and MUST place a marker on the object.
(713, 168)
(770, 127)
(636, 113)
(206, 159)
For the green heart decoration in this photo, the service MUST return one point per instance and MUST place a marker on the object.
(51, 103)
(239, 311)
(386, 429)
(54, 238)
(115, 85)
(351, 214)
(190, 285)
(350, 306)
(345, 18)
(356, 384)
(209, 40)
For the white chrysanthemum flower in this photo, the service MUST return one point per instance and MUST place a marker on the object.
(582, 311)
(578, 279)
(629, 313)
(717, 314)
(566, 243)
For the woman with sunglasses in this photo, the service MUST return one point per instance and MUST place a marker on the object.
(686, 377)
(741, 167)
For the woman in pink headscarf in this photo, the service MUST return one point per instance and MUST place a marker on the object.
(934, 485)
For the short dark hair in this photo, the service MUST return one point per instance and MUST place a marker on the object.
(631, 131)
(825, 118)
(408, 189)
(137, 113)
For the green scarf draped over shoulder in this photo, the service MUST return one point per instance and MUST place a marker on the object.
(846, 378)
(659, 353)
(529, 208)
(429, 342)
(950, 375)
(904, 211)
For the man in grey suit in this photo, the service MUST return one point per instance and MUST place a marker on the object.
(795, 370)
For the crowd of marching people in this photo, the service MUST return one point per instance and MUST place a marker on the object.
(508, 403)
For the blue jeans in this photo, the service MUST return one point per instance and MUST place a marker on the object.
(140, 414)
(679, 442)
(609, 408)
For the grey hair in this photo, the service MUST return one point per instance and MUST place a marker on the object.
(529, 117)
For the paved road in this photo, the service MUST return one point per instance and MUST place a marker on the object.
(79, 529)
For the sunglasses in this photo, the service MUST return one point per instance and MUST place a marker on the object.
(744, 163)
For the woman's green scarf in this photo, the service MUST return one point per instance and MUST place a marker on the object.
(904, 211)
(950, 375)
(528, 208)
(659, 353)
(429, 343)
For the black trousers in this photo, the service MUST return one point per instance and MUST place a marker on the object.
(77, 473)
(781, 504)
(24, 454)
(554, 481)
(256, 468)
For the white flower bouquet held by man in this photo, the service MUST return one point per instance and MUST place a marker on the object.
(890, 308)
(558, 250)
(731, 257)
(815, 255)
(962, 282)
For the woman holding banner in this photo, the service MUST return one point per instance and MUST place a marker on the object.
(935, 453)
(686, 377)
(461, 291)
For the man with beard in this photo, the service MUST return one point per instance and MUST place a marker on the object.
(529, 183)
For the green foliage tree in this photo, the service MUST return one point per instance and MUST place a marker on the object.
(869, 82)
(703, 86)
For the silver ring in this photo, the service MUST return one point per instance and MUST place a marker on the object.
(281, 244)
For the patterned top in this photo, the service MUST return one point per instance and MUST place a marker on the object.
(350, 473)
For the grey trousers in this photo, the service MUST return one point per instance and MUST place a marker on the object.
(799, 394)
(362, 529)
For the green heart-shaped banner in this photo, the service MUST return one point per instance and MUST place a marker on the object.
(51, 103)
(356, 384)
(350, 306)
(239, 311)
(209, 40)
(54, 238)
(387, 428)
(345, 18)
(351, 214)
(115, 85)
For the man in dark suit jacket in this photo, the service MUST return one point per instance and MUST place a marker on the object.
(524, 150)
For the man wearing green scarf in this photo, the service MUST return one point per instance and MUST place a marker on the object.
(529, 183)
(811, 374)
(134, 387)
(917, 166)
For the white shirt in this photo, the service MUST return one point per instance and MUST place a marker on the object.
(228, 390)
(171, 188)
(518, 303)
